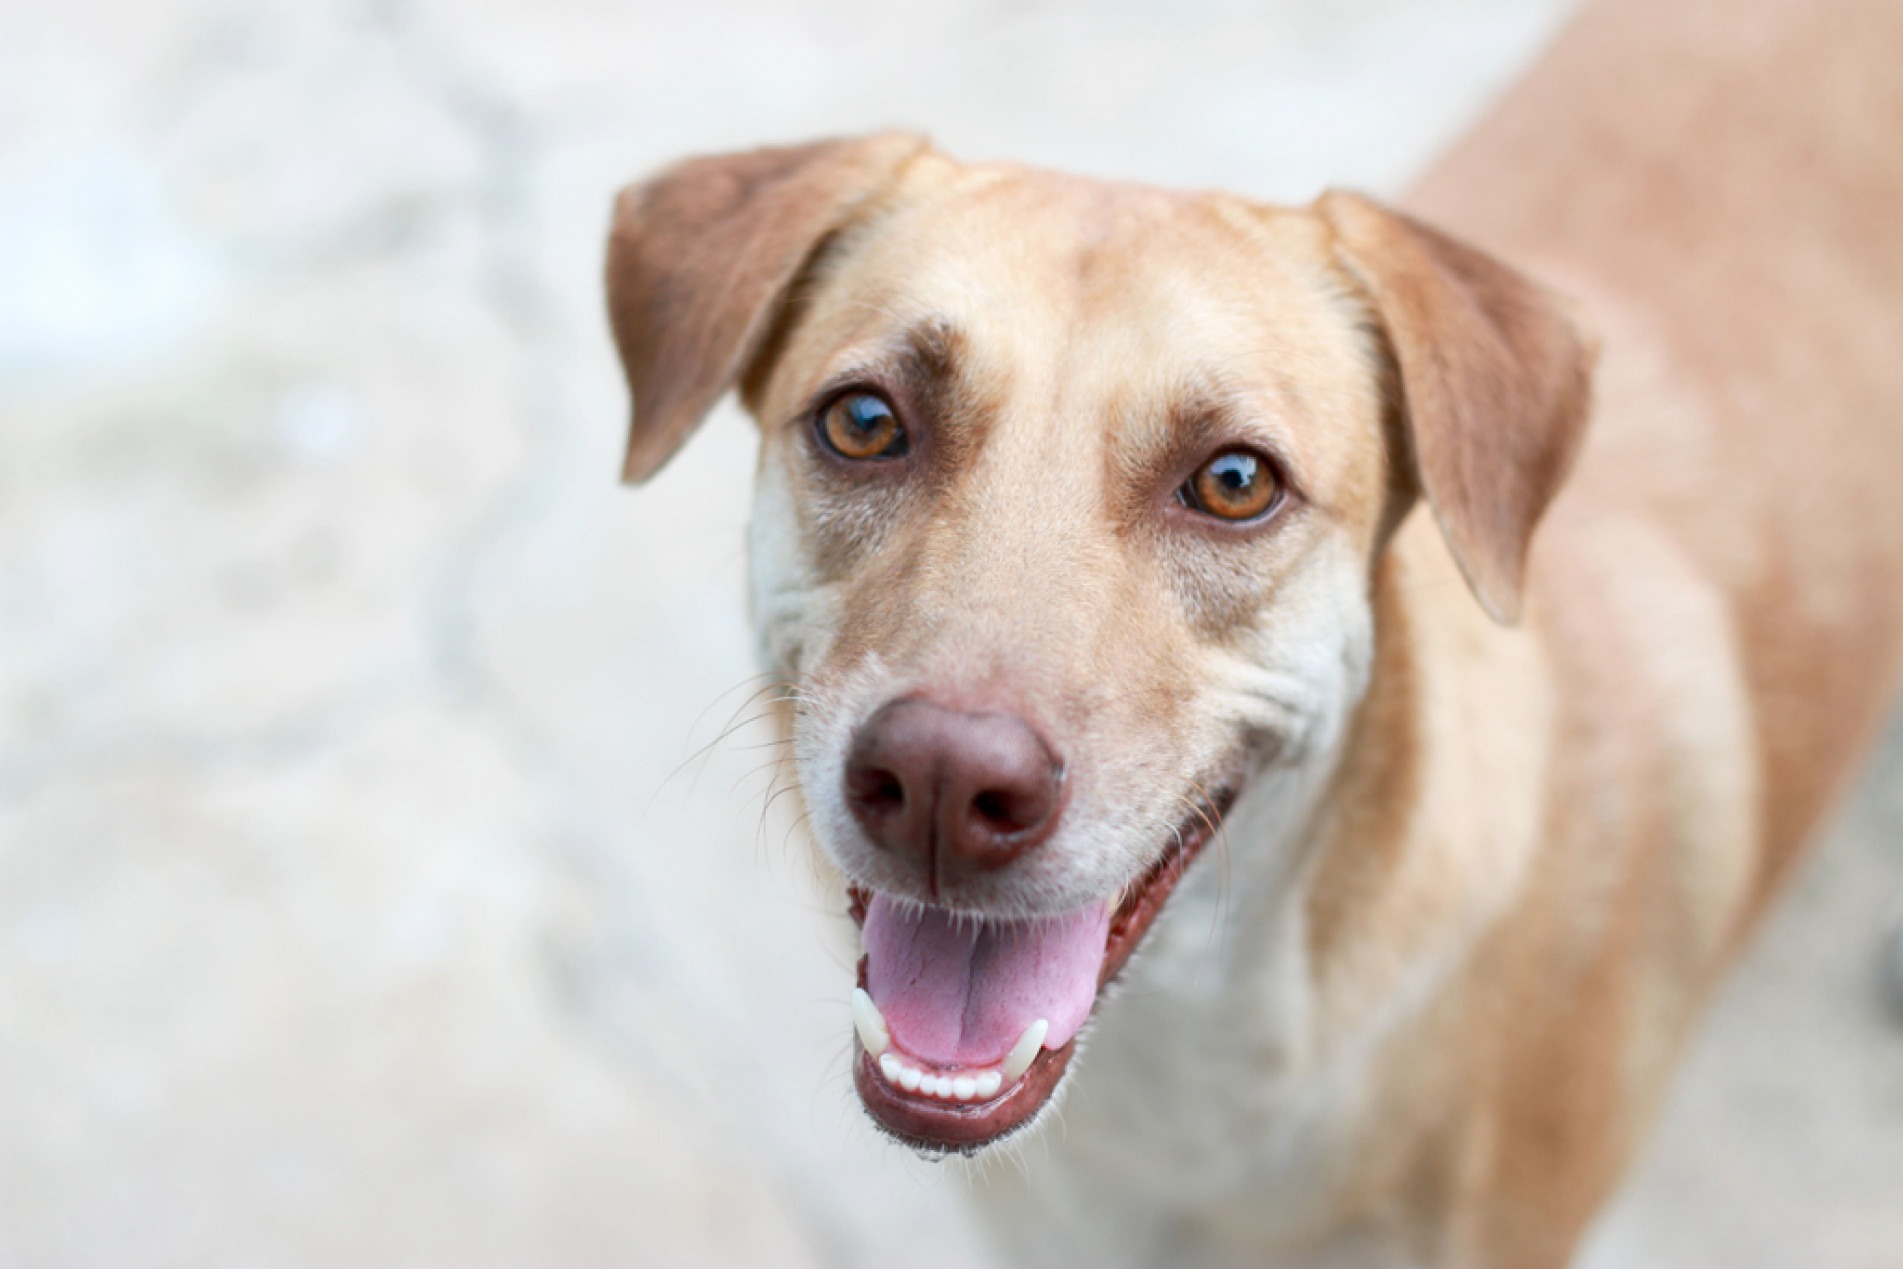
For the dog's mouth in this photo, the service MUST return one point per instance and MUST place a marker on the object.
(965, 1026)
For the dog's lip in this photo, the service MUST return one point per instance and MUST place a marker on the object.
(939, 1126)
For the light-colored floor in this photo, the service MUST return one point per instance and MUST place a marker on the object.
(359, 902)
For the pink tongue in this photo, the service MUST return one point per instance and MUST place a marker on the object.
(959, 993)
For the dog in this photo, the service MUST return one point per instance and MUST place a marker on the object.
(1398, 681)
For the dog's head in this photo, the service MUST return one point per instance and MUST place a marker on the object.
(1069, 499)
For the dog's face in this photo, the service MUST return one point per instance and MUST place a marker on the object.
(1135, 470)
(1069, 499)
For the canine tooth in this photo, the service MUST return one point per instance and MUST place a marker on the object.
(910, 1078)
(987, 1084)
(1116, 900)
(870, 1023)
(963, 1087)
(889, 1067)
(1018, 1060)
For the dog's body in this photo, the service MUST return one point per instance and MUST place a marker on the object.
(1480, 875)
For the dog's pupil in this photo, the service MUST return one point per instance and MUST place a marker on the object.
(1236, 472)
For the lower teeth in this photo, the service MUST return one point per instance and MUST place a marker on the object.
(978, 1083)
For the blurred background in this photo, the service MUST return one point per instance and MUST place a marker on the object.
(367, 892)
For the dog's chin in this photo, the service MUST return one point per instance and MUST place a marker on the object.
(941, 1102)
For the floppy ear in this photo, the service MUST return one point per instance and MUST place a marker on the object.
(1495, 382)
(700, 257)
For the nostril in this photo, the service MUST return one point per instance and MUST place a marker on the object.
(1000, 811)
(876, 789)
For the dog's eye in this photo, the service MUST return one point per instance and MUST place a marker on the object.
(1237, 484)
(862, 425)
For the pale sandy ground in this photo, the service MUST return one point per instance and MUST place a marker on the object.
(348, 913)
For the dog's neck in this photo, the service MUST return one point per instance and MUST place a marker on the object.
(1424, 840)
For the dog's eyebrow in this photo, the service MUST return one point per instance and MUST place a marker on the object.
(931, 351)
(922, 357)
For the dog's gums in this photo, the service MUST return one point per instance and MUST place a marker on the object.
(947, 1102)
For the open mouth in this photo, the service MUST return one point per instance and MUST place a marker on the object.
(964, 1027)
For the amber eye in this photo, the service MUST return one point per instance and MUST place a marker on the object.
(1237, 484)
(861, 425)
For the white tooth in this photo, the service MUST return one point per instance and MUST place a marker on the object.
(1116, 901)
(987, 1085)
(1018, 1060)
(910, 1079)
(928, 1084)
(889, 1067)
(963, 1087)
(870, 1022)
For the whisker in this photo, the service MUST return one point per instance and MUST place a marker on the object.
(773, 793)
(798, 823)
(709, 707)
(733, 727)
(706, 750)
(772, 764)
(1219, 834)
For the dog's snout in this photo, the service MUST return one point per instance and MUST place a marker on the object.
(952, 792)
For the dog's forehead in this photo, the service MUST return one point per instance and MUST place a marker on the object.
(1152, 267)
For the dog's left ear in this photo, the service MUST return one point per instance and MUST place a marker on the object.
(700, 257)
(1495, 381)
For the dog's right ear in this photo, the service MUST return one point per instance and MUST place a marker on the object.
(700, 258)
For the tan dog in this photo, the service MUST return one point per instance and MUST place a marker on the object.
(1088, 514)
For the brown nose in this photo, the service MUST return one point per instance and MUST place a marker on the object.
(950, 792)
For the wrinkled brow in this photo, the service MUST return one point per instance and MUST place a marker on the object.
(920, 360)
